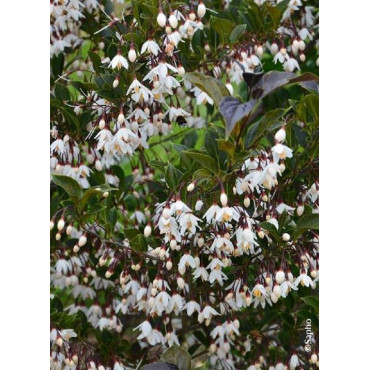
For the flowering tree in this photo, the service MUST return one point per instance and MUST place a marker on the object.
(184, 192)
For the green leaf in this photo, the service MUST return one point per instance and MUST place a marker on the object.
(306, 222)
(95, 58)
(177, 356)
(222, 26)
(172, 176)
(203, 159)
(213, 87)
(61, 92)
(237, 32)
(70, 185)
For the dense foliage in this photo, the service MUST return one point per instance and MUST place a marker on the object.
(184, 184)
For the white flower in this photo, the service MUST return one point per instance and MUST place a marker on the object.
(304, 280)
(208, 312)
(188, 222)
(139, 91)
(145, 329)
(151, 46)
(118, 62)
(187, 260)
(282, 151)
(191, 307)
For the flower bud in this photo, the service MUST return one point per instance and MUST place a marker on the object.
(115, 82)
(300, 210)
(166, 213)
(173, 244)
(82, 241)
(301, 45)
(280, 135)
(313, 274)
(58, 236)
(212, 348)
(247, 202)
(261, 234)
(286, 237)
(274, 48)
(265, 198)
(180, 70)
(259, 51)
(314, 358)
(192, 16)
(108, 274)
(76, 248)
(169, 265)
(59, 341)
(52, 225)
(230, 88)
(180, 282)
(147, 230)
(223, 199)
(201, 11)
(302, 57)
(102, 124)
(132, 55)
(190, 187)
(69, 229)
(280, 276)
(61, 224)
(161, 19)
(172, 20)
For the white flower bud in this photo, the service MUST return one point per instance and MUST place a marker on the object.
(166, 213)
(212, 348)
(58, 236)
(265, 198)
(180, 282)
(314, 358)
(200, 242)
(223, 199)
(169, 265)
(82, 241)
(61, 224)
(301, 45)
(102, 261)
(190, 187)
(121, 118)
(201, 11)
(230, 88)
(132, 55)
(52, 225)
(173, 244)
(59, 342)
(283, 51)
(105, 194)
(277, 290)
(115, 83)
(108, 274)
(102, 124)
(75, 359)
(207, 48)
(161, 19)
(274, 297)
(280, 136)
(282, 167)
(286, 237)
(77, 110)
(261, 234)
(259, 51)
(180, 70)
(274, 48)
(172, 20)
(192, 16)
(313, 274)
(302, 57)
(247, 202)
(69, 229)
(76, 248)
(147, 230)
(300, 210)
(280, 276)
